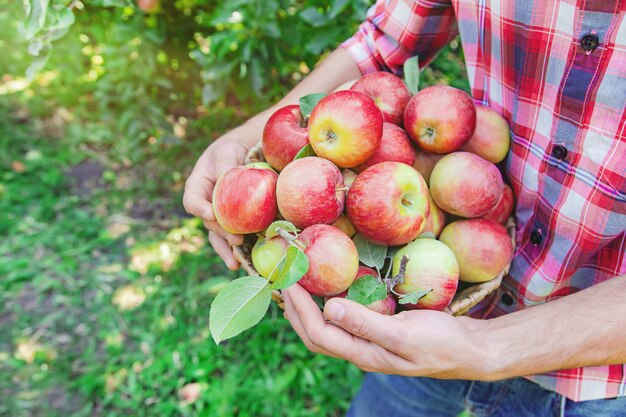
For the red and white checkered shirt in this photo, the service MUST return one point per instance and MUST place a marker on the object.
(556, 70)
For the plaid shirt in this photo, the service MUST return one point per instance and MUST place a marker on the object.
(556, 70)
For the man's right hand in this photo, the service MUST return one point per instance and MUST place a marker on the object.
(224, 154)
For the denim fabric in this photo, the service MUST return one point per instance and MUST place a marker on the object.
(397, 396)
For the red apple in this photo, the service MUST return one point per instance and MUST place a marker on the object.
(388, 203)
(284, 135)
(503, 208)
(440, 119)
(345, 127)
(492, 137)
(310, 191)
(436, 220)
(333, 260)
(244, 199)
(385, 306)
(395, 145)
(482, 248)
(431, 266)
(388, 92)
(267, 253)
(465, 184)
(425, 162)
(148, 6)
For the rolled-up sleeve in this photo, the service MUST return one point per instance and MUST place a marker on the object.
(395, 30)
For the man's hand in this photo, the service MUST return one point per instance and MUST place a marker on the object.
(218, 158)
(412, 343)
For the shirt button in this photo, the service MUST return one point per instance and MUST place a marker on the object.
(507, 299)
(589, 42)
(536, 237)
(559, 152)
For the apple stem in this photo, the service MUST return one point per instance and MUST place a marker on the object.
(399, 277)
(293, 240)
(342, 189)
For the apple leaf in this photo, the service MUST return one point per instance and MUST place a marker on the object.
(238, 306)
(307, 150)
(294, 266)
(272, 229)
(391, 251)
(370, 254)
(307, 103)
(412, 74)
(413, 297)
(367, 290)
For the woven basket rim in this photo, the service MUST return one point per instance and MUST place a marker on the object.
(462, 301)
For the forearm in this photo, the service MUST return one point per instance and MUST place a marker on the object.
(587, 328)
(336, 69)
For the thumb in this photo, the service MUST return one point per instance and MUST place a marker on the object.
(360, 321)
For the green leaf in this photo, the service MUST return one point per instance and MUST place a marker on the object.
(367, 290)
(412, 74)
(307, 103)
(336, 7)
(313, 17)
(370, 254)
(413, 297)
(391, 250)
(36, 18)
(296, 264)
(238, 306)
(307, 150)
(272, 229)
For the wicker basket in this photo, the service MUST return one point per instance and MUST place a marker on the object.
(461, 303)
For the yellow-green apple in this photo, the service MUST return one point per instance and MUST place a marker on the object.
(344, 224)
(285, 133)
(348, 177)
(492, 137)
(394, 145)
(440, 118)
(482, 248)
(388, 203)
(431, 266)
(333, 260)
(244, 199)
(388, 92)
(385, 306)
(436, 219)
(345, 86)
(465, 184)
(503, 208)
(345, 127)
(267, 253)
(425, 162)
(310, 191)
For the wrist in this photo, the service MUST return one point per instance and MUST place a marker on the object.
(492, 354)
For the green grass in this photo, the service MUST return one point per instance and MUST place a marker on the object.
(105, 295)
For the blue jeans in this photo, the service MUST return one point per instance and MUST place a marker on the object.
(397, 396)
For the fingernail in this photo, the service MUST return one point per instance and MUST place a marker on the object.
(335, 311)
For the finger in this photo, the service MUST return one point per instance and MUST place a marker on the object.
(231, 238)
(197, 196)
(337, 341)
(223, 249)
(294, 320)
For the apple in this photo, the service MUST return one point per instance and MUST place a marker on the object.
(267, 253)
(244, 199)
(385, 306)
(440, 118)
(345, 127)
(310, 191)
(388, 203)
(482, 248)
(333, 260)
(394, 145)
(388, 92)
(503, 208)
(285, 133)
(345, 86)
(436, 220)
(425, 162)
(431, 266)
(148, 6)
(492, 137)
(348, 177)
(465, 184)
(344, 224)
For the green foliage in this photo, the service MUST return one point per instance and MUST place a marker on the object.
(413, 297)
(412, 74)
(307, 103)
(370, 254)
(296, 264)
(367, 290)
